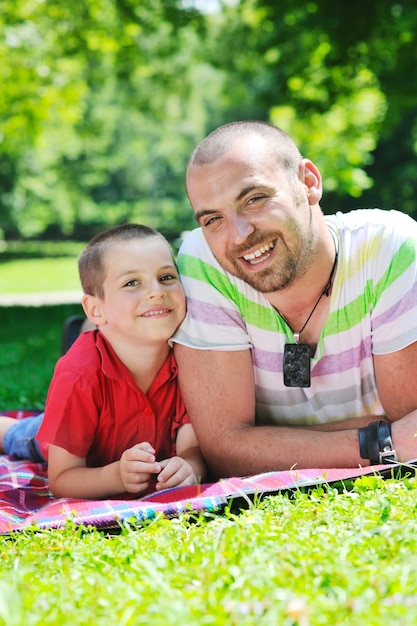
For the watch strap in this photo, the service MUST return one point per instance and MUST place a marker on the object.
(375, 443)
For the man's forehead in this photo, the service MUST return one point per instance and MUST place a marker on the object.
(248, 148)
(251, 152)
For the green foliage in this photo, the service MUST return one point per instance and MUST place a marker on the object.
(103, 132)
(35, 249)
(101, 103)
(332, 75)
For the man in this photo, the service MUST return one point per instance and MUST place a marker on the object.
(300, 343)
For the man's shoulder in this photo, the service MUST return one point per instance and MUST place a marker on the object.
(193, 243)
(372, 218)
(195, 258)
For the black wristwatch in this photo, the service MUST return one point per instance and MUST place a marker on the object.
(375, 444)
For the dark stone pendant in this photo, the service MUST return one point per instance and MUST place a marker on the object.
(297, 365)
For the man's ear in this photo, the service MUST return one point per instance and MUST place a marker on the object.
(311, 177)
(93, 308)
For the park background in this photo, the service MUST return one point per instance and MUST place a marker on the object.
(101, 103)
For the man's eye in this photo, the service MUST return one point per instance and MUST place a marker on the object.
(211, 220)
(255, 199)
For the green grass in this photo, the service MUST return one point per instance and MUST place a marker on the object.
(31, 276)
(345, 556)
(30, 342)
(325, 558)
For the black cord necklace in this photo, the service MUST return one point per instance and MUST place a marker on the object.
(297, 364)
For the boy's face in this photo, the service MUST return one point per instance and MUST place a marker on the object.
(143, 297)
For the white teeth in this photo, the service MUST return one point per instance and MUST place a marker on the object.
(150, 313)
(259, 252)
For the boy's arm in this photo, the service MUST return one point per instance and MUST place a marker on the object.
(188, 467)
(69, 477)
(189, 450)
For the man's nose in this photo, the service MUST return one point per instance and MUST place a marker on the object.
(241, 228)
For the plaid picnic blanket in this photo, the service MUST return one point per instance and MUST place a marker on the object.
(25, 499)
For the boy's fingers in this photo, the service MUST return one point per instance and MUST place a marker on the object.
(142, 468)
(136, 476)
(141, 452)
(144, 445)
(169, 468)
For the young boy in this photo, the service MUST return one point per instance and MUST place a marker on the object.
(114, 419)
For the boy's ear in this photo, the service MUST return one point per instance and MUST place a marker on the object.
(93, 308)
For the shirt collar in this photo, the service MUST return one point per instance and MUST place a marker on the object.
(113, 367)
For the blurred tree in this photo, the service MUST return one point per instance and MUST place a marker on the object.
(340, 78)
(97, 118)
(102, 101)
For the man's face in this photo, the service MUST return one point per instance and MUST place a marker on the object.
(255, 217)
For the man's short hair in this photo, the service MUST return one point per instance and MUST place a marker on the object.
(221, 140)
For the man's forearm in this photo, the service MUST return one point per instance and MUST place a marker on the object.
(253, 450)
(256, 449)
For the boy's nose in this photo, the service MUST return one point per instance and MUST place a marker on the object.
(156, 290)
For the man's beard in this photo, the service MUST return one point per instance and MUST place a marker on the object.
(284, 269)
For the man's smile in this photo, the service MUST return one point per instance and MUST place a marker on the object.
(259, 255)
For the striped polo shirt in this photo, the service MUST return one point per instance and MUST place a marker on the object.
(373, 310)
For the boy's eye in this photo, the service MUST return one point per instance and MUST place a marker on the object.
(166, 277)
(132, 283)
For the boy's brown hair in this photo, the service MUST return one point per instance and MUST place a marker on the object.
(91, 266)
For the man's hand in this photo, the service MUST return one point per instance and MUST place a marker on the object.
(176, 472)
(136, 467)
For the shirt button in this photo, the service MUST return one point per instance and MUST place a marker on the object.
(148, 411)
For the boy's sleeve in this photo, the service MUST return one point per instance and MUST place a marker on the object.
(71, 414)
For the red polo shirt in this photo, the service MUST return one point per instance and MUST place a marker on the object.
(95, 410)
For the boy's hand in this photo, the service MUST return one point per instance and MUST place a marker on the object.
(176, 472)
(137, 464)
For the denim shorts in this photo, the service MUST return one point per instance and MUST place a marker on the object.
(19, 440)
